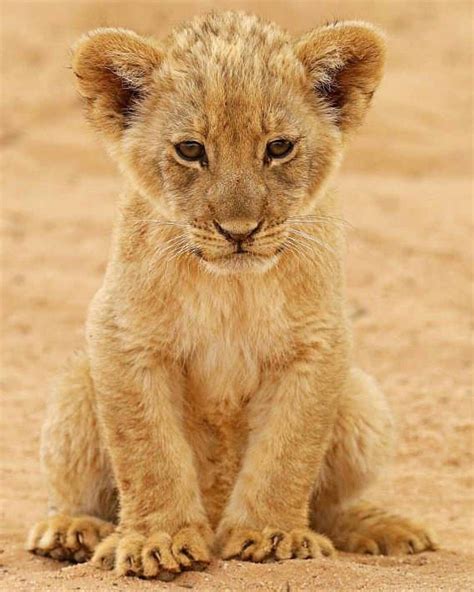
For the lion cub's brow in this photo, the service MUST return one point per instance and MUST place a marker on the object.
(232, 78)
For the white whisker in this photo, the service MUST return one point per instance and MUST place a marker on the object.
(164, 222)
(315, 219)
(313, 239)
(300, 249)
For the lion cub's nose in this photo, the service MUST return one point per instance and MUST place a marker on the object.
(237, 232)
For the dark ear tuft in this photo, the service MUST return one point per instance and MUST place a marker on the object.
(344, 61)
(113, 68)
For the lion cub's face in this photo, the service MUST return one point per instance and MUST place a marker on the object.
(231, 126)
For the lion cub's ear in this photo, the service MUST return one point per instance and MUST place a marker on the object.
(113, 68)
(345, 64)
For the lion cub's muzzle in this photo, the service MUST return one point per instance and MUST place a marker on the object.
(232, 245)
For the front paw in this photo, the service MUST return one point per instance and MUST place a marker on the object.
(158, 555)
(274, 544)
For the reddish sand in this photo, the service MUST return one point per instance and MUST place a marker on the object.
(407, 186)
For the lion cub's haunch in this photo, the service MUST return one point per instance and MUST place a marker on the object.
(215, 405)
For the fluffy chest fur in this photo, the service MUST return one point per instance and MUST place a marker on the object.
(228, 333)
(225, 332)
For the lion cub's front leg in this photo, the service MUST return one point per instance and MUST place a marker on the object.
(267, 515)
(163, 528)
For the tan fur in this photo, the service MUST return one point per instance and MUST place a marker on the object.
(216, 392)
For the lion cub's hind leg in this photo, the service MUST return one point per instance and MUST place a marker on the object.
(361, 444)
(366, 528)
(68, 538)
(82, 496)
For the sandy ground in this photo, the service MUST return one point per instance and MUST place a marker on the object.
(407, 189)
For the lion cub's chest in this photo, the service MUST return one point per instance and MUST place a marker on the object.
(229, 337)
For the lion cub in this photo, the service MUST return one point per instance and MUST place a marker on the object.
(215, 405)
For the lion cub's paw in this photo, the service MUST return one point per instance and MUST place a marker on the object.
(68, 538)
(380, 533)
(273, 544)
(157, 556)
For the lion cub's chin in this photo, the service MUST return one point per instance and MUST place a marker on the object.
(242, 263)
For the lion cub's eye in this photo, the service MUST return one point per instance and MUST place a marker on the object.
(191, 150)
(279, 148)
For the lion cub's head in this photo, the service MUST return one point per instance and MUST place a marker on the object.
(230, 126)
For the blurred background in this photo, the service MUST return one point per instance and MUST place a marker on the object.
(407, 189)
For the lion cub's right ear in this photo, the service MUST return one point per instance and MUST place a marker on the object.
(345, 63)
(113, 69)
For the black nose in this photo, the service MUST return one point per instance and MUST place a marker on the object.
(237, 233)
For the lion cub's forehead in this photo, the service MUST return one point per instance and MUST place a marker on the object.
(233, 66)
(218, 31)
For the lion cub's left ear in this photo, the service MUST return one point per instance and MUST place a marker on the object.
(114, 69)
(345, 63)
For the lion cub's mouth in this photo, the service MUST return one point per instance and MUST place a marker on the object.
(240, 252)
(239, 261)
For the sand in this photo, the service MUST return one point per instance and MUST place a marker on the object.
(407, 186)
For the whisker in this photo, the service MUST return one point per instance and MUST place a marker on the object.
(297, 248)
(164, 222)
(326, 262)
(320, 256)
(161, 252)
(209, 239)
(305, 246)
(182, 250)
(310, 216)
(317, 223)
(270, 233)
(319, 218)
(169, 244)
(314, 240)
